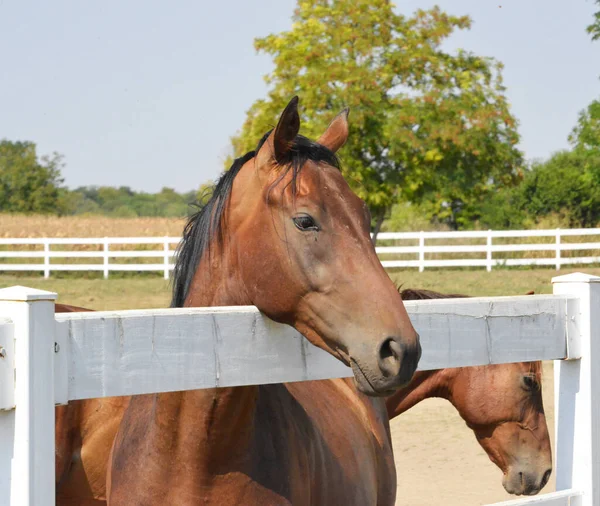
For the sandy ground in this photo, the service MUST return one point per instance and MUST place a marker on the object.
(439, 462)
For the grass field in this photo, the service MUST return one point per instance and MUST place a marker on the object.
(145, 292)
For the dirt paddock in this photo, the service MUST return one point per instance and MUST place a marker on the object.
(439, 462)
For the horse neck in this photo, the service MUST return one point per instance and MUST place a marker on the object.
(221, 417)
(425, 384)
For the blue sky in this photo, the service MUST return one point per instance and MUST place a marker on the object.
(147, 93)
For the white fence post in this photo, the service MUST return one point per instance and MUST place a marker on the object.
(46, 258)
(27, 430)
(489, 251)
(105, 258)
(421, 251)
(577, 390)
(166, 259)
(558, 249)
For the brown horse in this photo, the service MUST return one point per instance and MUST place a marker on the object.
(284, 232)
(501, 403)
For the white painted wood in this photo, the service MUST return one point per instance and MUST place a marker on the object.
(166, 258)
(142, 254)
(511, 262)
(571, 246)
(385, 236)
(577, 390)
(89, 240)
(7, 360)
(422, 252)
(558, 249)
(46, 259)
(574, 344)
(22, 254)
(127, 352)
(562, 498)
(498, 248)
(106, 251)
(88, 267)
(7, 432)
(28, 467)
(132, 352)
(62, 357)
(479, 331)
(554, 246)
(85, 254)
(489, 251)
(389, 250)
(484, 248)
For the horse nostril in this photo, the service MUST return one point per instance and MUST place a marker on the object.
(390, 357)
(545, 478)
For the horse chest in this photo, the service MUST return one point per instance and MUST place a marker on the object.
(315, 446)
(305, 444)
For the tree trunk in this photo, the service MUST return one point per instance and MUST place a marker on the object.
(380, 217)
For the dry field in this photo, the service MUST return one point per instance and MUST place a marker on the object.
(16, 225)
(437, 456)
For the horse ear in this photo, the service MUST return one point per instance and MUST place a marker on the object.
(287, 129)
(281, 139)
(337, 132)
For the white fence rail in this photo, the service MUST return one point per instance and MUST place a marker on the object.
(409, 250)
(492, 243)
(46, 250)
(48, 359)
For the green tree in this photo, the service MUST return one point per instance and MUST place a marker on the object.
(426, 125)
(594, 28)
(586, 134)
(568, 182)
(567, 185)
(29, 184)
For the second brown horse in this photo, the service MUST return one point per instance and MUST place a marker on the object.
(501, 403)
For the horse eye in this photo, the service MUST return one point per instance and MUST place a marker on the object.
(530, 383)
(304, 222)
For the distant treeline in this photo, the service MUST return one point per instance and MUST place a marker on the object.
(33, 185)
(123, 202)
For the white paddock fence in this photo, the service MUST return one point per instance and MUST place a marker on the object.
(45, 249)
(492, 242)
(409, 250)
(48, 359)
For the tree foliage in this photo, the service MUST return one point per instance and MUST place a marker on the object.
(426, 125)
(594, 28)
(566, 185)
(123, 202)
(28, 184)
(586, 134)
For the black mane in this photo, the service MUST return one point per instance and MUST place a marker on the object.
(415, 294)
(204, 225)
